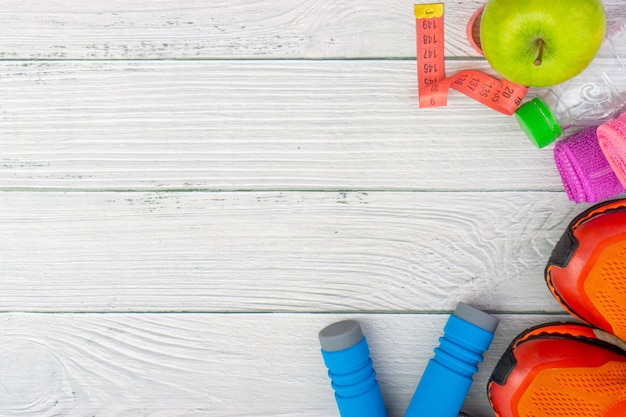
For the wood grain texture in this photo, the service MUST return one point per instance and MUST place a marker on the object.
(197, 29)
(212, 364)
(297, 125)
(307, 252)
(155, 29)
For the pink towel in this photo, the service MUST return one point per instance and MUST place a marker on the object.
(612, 139)
(585, 172)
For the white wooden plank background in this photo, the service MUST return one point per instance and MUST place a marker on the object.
(253, 125)
(190, 191)
(277, 251)
(197, 29)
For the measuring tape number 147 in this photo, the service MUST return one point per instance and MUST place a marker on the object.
(433, 86)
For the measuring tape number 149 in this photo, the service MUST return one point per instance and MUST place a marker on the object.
(433, 86)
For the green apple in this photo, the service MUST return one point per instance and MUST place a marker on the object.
(539, 43)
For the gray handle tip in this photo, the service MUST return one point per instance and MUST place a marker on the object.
(341, 335)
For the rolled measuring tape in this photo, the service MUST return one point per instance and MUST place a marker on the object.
(433, 86)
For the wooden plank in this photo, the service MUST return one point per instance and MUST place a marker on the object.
(155, 29)
(275, 251)
(262, 125)
(212, 364)
(197, 29)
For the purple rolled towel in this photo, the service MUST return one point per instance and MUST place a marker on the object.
(585, 171)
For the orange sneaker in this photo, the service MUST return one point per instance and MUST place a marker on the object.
(560, 370)
(586, 272)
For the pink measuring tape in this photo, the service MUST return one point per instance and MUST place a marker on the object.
(433, 86)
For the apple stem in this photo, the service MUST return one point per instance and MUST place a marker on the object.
(539, 58)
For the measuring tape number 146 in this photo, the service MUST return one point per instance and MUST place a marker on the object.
(433, 86)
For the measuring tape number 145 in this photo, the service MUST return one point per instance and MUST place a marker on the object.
(433, 86)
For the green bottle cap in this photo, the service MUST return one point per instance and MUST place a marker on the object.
(538, 122)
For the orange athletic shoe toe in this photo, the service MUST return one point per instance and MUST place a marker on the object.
(586, 272)
(560, 370)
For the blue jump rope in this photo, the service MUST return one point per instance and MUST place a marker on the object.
(444, 383)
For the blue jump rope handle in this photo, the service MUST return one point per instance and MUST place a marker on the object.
(448, 375)
(357, 391)
(444, 384)
(352, 375)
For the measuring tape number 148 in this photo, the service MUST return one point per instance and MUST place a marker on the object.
(433, 86)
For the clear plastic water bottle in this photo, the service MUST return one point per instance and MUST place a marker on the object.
(595, 95)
